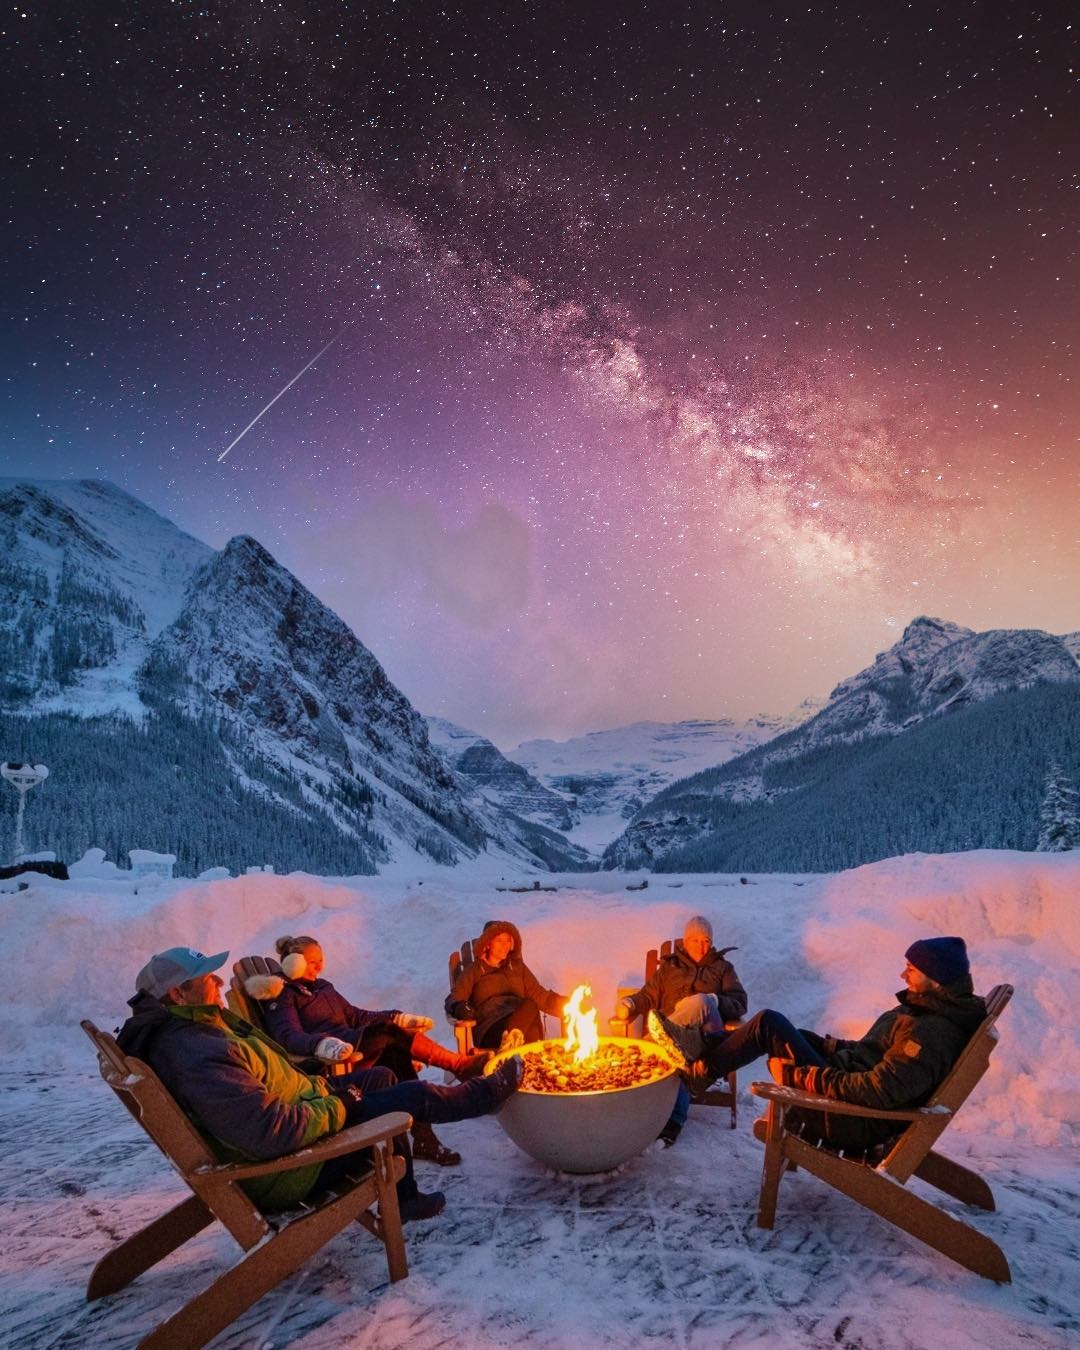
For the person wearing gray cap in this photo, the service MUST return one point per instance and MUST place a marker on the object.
(243, 1091)
(696, 986)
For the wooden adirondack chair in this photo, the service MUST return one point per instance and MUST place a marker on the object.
(620, 1026)
(243, 1005)
(463, 1027)
(881, 1188)
(275, 1244)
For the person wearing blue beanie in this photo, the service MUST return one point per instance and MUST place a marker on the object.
(895, 1066)
(944, 959)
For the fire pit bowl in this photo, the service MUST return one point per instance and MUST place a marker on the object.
(593, 1130)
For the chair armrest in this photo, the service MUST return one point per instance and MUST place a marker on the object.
(789, 1096)
(619, 1026)
(333, 1146)
(462, 1021)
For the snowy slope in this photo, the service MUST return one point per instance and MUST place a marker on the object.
(664, 1252)
(89, 576)
(608, 775)
(108, 608)
(937, 669)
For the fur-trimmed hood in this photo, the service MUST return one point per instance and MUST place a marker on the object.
(492, 929)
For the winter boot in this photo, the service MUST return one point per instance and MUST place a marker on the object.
(513, 1039)
(427, 1147)
(421, 1205)
(683, 1044)
(461, 1066)
(670, 1133)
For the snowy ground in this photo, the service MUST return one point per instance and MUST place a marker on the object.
(664, 1252)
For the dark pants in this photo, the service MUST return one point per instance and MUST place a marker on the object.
(388, 1047)
(525, 1018)
(766, 1033)
(421, 1100)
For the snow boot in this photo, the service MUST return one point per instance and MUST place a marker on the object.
(427, 1148)
(683, 1044)
(461, 1066)
(421, 1205)
(513, 1039)
(670, 1133)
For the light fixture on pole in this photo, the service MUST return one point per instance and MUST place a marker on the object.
(22, 778)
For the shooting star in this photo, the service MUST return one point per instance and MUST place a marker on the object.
(284, 391)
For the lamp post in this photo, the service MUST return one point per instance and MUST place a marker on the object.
(22, 778)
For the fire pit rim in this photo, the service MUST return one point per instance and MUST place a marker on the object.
(655, 1051)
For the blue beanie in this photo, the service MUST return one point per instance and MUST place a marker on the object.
(943, 959)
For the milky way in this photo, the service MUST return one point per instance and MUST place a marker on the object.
(694, 349)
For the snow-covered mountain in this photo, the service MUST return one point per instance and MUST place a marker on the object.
(510, 802)
(109, 609)
(607, 776)
(911, 693)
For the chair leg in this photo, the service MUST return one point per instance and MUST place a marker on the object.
(146, 1248)
(954, 1180)
(733, 1088)
(908, 1211)
(388, 1170)
(773, 1166)
(264, 1266)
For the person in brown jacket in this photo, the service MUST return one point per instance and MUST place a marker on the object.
(500, 991)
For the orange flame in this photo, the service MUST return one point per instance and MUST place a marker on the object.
(583, 1037)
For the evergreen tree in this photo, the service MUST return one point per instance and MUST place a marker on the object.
(1059, 816)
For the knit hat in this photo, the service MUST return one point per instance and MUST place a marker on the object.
(943, 959)
(176, 966)
(699, 927)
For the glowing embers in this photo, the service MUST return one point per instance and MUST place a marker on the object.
(584, 1063)
(614, 1065)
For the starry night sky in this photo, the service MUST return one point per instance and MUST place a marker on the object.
(685, 351)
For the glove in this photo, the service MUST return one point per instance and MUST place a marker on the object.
(459, 1012)
(412, 1021)
(624, 1009)
(333, 1050)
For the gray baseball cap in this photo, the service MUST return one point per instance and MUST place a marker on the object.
(176, 966)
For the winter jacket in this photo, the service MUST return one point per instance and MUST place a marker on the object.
(897, 1065)
(489, 993)
(307, 1010)
(677, 976)
(238, 1087)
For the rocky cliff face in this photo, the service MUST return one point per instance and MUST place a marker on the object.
(110, 609)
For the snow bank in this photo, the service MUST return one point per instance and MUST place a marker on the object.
(1020, 916)
(825, 950)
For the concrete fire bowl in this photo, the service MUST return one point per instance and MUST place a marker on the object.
(588, 1131)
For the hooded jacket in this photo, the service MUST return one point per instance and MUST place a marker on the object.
(489, 993)
(307, 1010)
(238, 1087)
(904, 1056)
(678, 975)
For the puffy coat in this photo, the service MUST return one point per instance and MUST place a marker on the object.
(238, 1087)
(897, 1065)
(676, 976)
(488, 993)
(307, 1010)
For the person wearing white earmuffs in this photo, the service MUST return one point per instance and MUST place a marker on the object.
(305, 1013)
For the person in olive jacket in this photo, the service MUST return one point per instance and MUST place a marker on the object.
(695, 986)
(896, 1065)
(500, 991)
(243, 1092)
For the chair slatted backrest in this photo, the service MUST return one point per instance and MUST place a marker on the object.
(654, 956)
(919, 1138)
(461, 959)
(238, 998)
(145, 1096)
